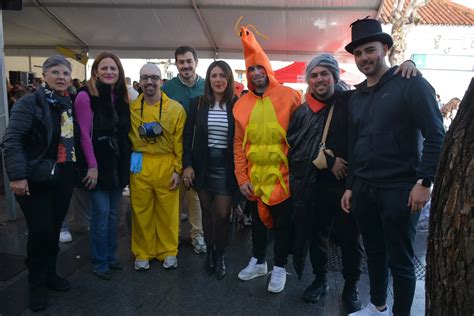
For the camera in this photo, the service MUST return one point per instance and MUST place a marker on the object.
(150, 130)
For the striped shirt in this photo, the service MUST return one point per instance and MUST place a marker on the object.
(217, 127)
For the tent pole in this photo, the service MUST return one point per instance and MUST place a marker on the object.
(10, 200)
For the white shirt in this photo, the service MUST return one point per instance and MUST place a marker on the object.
(132, 93)
(217, 126)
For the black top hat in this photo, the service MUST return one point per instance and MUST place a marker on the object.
(365, 31)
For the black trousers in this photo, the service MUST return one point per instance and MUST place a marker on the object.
(282, 225)
(44, 211)
(388, 229)
(327, 216)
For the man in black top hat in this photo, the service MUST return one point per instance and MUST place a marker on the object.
(395, 138)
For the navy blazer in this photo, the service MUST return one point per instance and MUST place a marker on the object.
(195, 143)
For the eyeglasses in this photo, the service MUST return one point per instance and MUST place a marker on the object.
(58, 73)
(152, 77)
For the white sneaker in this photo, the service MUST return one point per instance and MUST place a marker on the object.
(370, 310)
(142, 265)
(253, 270)
(278, 280)
(199, 244)
(170, 262)
(126, 191)
(65, 236)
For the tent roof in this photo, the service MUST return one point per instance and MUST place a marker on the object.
(154, 28)
(293, 73)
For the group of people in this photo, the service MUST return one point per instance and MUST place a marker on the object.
(361, 162)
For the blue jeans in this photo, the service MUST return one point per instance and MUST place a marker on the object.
(80, 209)
(103, 234)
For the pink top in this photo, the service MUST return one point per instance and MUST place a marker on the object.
(84, 117)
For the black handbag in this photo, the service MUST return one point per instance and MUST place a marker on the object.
(43, 171)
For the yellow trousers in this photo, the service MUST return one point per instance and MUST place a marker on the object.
(155, 209)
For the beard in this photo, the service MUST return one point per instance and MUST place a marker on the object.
(260, 83)
(370, 67)
(325, 94)
(150, 90)
(190, 72)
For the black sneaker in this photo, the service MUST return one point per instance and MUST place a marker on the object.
(103, 275)
(350, 297)
(115, 266)
(38, 298)
(315, 290)
(56, 283)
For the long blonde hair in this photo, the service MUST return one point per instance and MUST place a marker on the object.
(120, 87)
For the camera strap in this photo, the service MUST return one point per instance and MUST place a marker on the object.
(141, 108)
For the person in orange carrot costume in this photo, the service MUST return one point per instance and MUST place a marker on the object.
(262, 117)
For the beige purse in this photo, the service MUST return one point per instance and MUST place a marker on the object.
(320, 162)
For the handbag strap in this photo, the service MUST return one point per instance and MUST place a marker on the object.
(326, 127)
(194, 127)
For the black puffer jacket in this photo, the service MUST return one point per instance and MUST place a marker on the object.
(28, 134)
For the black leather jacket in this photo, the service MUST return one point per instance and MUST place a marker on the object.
(304, 136)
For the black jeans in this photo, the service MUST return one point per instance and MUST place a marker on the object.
(388, 229)
(328, 215)
(282, 224)
(44, 211)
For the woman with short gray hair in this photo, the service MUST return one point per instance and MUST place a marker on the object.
(39, 155)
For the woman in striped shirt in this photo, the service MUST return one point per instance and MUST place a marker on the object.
(209, 161)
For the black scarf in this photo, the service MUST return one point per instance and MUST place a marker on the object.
(66, 151)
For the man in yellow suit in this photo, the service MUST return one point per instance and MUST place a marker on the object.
(156, 164)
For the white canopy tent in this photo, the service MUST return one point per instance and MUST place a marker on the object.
(154, 28)
(296, 29)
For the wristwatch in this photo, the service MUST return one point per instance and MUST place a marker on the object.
(424, 182)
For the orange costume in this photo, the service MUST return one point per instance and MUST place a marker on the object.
(261, 122)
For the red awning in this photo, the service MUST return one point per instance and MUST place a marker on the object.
(293, 73)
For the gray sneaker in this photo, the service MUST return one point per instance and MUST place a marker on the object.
(142, 265)
(253, 270)
(199, 244)
(65, 236)
(370, 310)
(278, 280)
(170, 262)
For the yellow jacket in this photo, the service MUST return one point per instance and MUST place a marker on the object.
(173, 118)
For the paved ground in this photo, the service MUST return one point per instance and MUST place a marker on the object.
(188, 290)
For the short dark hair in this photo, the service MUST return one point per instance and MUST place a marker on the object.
(56, 60)
(183, 50)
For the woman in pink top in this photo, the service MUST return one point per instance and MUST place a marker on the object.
(103, 115)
